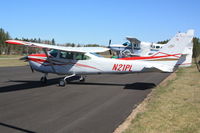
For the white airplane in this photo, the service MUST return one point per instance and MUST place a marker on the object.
(134, 48)
(144, 49)
(78, 61)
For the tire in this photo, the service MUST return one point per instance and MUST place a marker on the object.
(82, 79)
(62, 83)
(43, 80)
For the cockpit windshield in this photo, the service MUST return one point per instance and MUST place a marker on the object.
(126, 44)
(53, 52)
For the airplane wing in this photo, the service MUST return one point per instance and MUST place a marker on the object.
(133, 40)
(63, 48)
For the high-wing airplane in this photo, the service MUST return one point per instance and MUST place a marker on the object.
(143, 49)
(78, 61)
(134, 47)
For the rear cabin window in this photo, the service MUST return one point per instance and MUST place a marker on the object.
(157, 47)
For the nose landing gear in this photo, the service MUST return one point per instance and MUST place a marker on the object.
(82, 79)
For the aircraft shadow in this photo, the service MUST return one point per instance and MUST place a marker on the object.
(92, 83)
(26, 84)
(16, 128)
(133, 86)
(140, 86)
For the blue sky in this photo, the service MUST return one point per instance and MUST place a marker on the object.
(97, 21)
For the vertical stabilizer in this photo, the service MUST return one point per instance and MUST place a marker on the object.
(178, 50)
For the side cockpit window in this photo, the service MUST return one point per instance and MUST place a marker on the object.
(66, 55)
(73, 56)
(81, 56)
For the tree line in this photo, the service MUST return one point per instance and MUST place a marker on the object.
(4, 48)
(21, 50)
(7, 49)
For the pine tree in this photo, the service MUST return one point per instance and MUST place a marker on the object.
(53, 42)
(4, 48)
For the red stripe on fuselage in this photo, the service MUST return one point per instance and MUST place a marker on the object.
(38, 55)
(82, 65)
(38, 60)
(149, 57)
(41, 61)
(175, 55)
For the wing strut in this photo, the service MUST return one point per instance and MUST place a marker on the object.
(49, 60)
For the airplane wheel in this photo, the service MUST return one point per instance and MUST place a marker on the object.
(43, 80)
(62, 82)
(82, 79)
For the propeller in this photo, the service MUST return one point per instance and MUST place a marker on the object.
(25, 58)
(109, 47)
(109, 43)
(32, 69)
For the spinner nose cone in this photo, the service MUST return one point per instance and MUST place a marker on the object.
(25, 58)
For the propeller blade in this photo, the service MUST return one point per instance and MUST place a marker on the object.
(109, 43)
(32, 69)
(109, 47)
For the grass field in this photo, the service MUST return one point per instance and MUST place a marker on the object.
(10, 56)
(174, 108)
(11, 60)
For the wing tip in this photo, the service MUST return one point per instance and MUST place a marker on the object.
(14, 42)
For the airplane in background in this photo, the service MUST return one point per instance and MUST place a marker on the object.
(79, 61)
(135, 48)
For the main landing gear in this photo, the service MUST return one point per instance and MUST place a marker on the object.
(65, 80)
(44, 78)
(69, 78)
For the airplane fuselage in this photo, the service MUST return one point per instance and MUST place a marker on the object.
(92, 65)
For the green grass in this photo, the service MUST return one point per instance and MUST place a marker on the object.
(11, 60)
(174, 108)
(10, 56)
